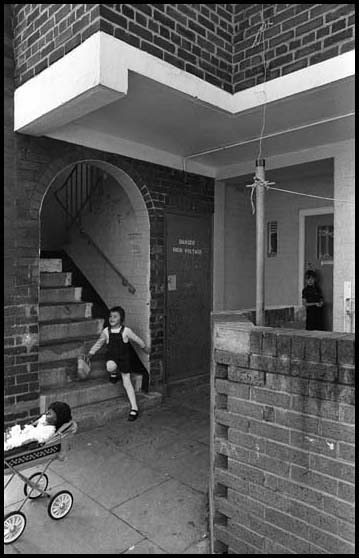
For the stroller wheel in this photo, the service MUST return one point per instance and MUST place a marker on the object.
(42, 484)
(60, 504)
(14, 525)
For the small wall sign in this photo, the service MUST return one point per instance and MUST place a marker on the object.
(187, 246)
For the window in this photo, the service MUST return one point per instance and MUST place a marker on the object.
(272, 243)
(325, 242)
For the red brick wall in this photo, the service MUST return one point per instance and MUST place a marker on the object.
(194, 37)
(9, 145)
(283, 444)
(299, 36)
(21, 383)
(211, 41)
(38, 161)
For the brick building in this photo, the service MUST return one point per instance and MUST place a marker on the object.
(131, 133)
(116, 120)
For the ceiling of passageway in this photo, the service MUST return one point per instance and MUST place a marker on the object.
(160, 117)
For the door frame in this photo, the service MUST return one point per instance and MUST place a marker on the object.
(167, 213)
(303, 213)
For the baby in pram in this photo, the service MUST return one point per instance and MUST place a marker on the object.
(58, 413)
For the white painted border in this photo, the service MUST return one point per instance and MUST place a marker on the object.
(303, 213)
(103, 62)
(219, 224)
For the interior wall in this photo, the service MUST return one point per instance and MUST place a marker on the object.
(239, 250)
(121, 234)
(281, 271)
(53, 218)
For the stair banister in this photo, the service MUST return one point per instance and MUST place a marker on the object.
(74, 210)
(125, 281)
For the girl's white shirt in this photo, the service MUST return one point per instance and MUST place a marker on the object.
(127, 335)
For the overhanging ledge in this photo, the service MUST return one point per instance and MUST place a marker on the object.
(82, 81)
(96, 73)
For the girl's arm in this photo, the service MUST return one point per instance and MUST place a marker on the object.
(306, 304)
(131, 335)
(99, 343)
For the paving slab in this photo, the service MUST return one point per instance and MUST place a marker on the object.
(197, 399)
(176, 417)
(126, 434)
(139, 487)
(185, 461)
(108, 475)
(201, 547)
(145, 547)
(87, 528)
(14, 492)
(171, 515)
(10, 549)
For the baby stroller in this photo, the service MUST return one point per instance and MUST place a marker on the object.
(35, 486)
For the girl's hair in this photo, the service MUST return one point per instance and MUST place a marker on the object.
(63, 413)
(120, 310)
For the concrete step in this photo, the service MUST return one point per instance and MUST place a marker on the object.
(57, 374)
(97, 414)
(81, 393)
(61, 312)
(65, 294)
(50, 265)
(65, 349)
(83, 328)
(78, 394)
(60, 279)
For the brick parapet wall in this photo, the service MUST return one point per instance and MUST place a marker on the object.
(215, 42)
(298, 36)
(38, 161)
(282, 456)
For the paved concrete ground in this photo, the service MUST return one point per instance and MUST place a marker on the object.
(139, 488)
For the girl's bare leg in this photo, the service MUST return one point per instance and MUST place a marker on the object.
(127, 384)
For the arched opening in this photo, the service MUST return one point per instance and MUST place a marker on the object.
(94, 219)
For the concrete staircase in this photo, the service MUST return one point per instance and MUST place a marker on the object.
(67, 330)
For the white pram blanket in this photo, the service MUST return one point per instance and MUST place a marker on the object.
(18, 436)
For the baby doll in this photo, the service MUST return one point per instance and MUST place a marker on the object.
(58, 413)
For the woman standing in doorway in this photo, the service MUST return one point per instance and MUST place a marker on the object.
(313, 301)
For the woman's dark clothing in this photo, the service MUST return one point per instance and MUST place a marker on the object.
(314, 318)
(118, 351)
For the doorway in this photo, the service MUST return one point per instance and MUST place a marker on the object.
(318, 254)
(188, 297)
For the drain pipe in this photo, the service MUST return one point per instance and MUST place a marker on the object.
(260, 182)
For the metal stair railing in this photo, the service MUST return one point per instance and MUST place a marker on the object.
(76, 199)
(78, 190)
(125, 281)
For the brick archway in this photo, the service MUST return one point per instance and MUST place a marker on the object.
(57, 167)
(94, 252)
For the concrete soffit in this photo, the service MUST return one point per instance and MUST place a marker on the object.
(96, 73)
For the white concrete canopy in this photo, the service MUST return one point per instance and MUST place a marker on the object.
(109, 95)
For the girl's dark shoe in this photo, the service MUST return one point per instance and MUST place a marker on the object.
(113, 378)
(133, 415)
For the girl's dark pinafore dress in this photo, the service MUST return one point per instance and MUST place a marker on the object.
(118, 351)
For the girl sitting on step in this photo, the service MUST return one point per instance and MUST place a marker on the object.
(117, 337)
